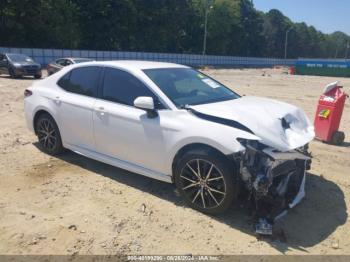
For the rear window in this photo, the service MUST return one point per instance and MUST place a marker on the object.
(82, 81)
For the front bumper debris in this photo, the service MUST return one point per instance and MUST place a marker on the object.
(274, 182)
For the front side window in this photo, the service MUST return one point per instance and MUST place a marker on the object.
(122, 87)
(83, 81)
(186, 86)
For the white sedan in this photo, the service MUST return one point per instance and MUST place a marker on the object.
(175, 124)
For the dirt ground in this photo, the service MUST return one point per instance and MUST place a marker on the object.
(70, 204)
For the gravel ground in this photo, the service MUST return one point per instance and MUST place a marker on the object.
(70, 204)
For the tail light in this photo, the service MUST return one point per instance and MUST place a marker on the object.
(27, 93)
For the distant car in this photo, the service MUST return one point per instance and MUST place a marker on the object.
(173, 123)
(18, 65)
(58, 64)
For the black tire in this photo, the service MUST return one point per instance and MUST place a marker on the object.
(201, 197)
(12, 73)
(338, 137)
(48, 134)
(37, 76)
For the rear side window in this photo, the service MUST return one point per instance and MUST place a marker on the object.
(61, 62)
(64, 81)
(122, 87)
(82, 81)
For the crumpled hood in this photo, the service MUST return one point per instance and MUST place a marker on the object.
(277, 124)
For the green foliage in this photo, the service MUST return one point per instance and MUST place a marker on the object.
(36, 23)
(235, 27)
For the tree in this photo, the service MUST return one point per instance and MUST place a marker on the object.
(252, 41)
(275, 28)
(235, 27)
(38, 23)
(224, 29)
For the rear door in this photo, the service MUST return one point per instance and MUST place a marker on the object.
(75, 106)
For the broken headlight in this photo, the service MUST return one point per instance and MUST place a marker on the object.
(252, 144)
(271, 178)
(255, 167)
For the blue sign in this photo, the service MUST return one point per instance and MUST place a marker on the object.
(324, 63)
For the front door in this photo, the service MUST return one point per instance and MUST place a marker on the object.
(123, 131)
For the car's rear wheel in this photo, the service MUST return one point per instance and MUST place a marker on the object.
(206, 182)
(338, 138)
(37, 76)
(48, 135)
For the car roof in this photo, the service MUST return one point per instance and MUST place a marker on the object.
(137, 64)
(14, 54)
(74, 58)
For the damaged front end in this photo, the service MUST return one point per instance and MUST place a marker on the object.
(273, 180)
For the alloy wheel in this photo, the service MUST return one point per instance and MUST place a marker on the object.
(203, 183)
(47, 134)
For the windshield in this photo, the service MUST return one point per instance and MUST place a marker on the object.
(81, 60)
(186, 86)
(19, 58)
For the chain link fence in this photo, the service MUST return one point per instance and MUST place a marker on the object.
(45, 56)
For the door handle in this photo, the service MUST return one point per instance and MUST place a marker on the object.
(57, 99)
(101, 110)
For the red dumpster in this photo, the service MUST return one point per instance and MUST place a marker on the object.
(328, 115)
(292, 70)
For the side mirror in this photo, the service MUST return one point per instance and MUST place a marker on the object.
(146, 103)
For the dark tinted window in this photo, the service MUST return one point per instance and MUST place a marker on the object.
(81, 81)
(124, 88)
(64, 81)
(61, 62)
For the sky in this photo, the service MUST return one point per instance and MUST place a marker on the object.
(327, 16)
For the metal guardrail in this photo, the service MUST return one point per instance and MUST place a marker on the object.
(45, 56)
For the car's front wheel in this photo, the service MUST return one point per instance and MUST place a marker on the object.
(48, 135)
(207, 182)
(37, 76)
(12, 73)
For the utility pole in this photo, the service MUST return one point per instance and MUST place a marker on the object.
(336, 51)
(207, 7)
(347, 50)
(337, 47)
(286, 43)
